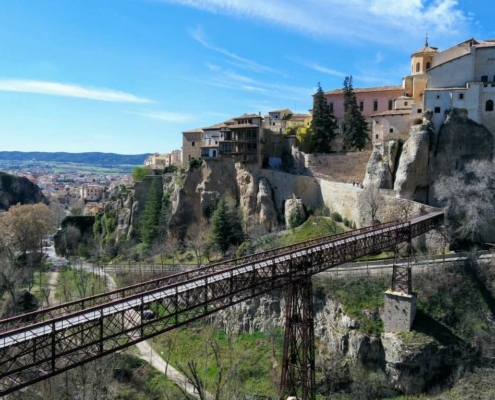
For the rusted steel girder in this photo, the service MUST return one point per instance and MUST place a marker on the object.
(38, 345)
(298, 362)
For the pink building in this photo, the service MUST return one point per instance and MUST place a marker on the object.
(370, 100)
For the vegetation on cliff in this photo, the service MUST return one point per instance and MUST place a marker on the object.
(322, 123)
(356, 131)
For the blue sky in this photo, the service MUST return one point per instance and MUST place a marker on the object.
(128, 76)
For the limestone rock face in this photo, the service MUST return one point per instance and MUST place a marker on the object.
(392, 152)
(412, 368)
(459, 141)
(294, 207)
(378, 170)
(265, 206)
(412, 174)
(15, 189)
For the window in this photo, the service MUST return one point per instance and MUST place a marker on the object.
(461, 96)
(438, 96)
(484, 78)
(428, 65)
(420, 110)
(209, 142)
(216, 142)
(330, 105)
(192, 144)
(391, 130)
(489, 105)
(418, 66)
(390, 104)
(375, 105)
(406, 103)
(376, 136)
(361, 105)
(437, 110)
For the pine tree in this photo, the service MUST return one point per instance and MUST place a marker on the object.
(227, 225)
(221, 227)
(356, 133)
(322, 123)
(151, 216)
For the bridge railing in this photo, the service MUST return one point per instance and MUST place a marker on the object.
(70, 307)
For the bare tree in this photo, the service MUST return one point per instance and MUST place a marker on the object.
(469, 198)
(371, 201)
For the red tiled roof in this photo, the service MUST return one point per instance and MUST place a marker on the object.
(370, 89)
(196, 130)
(244, 116)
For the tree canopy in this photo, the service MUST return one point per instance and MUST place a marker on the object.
(322, 124)
(356, 133)
(139, 173)
(226, 225)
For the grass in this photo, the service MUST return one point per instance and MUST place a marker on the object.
(135, 379)
(313, 228)
(361, 299)
(74, 283)
(250, 362)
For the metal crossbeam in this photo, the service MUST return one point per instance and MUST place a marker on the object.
(38, 345)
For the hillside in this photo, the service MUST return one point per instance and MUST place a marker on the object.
(15, 189)
(94, 158)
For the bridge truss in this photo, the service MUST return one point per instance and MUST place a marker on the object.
(44, 343)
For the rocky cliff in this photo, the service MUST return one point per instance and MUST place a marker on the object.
(18, 190)
(408, 363)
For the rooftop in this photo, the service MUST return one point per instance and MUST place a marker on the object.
(280, 111)
(244, 116)
(368, 90)
(196, 130)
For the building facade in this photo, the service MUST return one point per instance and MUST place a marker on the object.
(191, 145)
(92, 192)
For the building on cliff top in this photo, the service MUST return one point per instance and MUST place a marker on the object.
(462, 76)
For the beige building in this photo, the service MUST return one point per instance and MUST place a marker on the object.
(92, 192)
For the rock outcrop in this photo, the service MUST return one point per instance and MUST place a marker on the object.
(294, 212)
(18, 190)
(412, 174)
(265, 206)
(378, 170)
(459, 141)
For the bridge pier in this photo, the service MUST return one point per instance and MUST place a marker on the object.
(400, 301)
(298, 363)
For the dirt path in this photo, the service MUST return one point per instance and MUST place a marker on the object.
(145, 352)
(52, 288)
(149, 355)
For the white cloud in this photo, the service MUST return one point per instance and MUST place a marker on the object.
(62, 89)
(213, 67)
(198, 35)
(379, 21)
(172, 117)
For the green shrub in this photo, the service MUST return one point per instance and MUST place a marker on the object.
(195, 163)
(347, 222)
(337, 217)
(294, 221)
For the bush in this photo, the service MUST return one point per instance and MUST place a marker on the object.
(347, 222)
(337, 217)
(195, 163)
(294, 221)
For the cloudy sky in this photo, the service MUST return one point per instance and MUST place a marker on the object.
(128, 76)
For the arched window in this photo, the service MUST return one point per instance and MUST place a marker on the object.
(418, 66)
(428, 65)
(489, 105)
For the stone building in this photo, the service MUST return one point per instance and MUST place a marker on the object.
(92, 192)
(191, 145)
(241, 140)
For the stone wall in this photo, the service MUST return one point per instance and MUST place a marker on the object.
(339, 167)
(345, 199)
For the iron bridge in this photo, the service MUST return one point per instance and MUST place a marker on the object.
(38, 345)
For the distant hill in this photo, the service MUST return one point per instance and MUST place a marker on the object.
(94, 158)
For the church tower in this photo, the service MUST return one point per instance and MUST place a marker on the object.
(421, 61)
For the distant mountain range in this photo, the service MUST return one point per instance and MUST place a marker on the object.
(94, 158)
